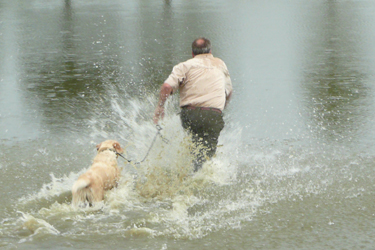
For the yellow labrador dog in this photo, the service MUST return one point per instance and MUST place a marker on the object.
(103, 175)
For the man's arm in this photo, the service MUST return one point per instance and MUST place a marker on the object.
(165, 91)
(228, 90)
(228, 85)
(228, 97)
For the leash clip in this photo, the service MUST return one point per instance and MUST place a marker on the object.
(158, 127)
(161, 136)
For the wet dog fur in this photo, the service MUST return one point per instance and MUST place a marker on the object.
(103, 175)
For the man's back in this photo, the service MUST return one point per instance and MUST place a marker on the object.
(203, 81)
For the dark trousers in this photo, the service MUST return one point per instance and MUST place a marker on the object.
(204, 126)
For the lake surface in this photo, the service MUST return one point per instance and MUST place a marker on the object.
(295, 167)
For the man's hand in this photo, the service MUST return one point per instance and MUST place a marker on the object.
(159, 112)
(165, 91)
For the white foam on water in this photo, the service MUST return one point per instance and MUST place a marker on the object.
(162, 196)
(156, 197)
(56, 187)
(141, 232)
(36, 227)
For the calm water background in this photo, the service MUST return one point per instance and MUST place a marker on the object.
(296, 165)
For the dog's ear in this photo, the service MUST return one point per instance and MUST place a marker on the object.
(98, 146)
(118, 148)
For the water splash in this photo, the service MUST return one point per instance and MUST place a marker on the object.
(36, 227)
(162, 196)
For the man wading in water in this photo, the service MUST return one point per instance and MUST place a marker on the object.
(205, 89)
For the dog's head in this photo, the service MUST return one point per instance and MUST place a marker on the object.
(109, 145)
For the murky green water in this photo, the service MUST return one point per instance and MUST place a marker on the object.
(296, 165)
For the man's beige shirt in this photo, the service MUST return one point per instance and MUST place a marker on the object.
(203, 81)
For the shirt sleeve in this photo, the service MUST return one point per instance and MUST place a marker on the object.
(228, 81)
(177, 76)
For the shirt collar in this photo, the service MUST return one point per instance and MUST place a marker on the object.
(204, 55)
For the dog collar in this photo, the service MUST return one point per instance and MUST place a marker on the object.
(110, 149)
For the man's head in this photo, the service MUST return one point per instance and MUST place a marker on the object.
(201, 45)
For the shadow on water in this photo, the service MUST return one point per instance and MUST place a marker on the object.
(335, 85)
(72, 65)
(57, 75)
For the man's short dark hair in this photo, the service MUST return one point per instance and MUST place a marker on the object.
(201, 45)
